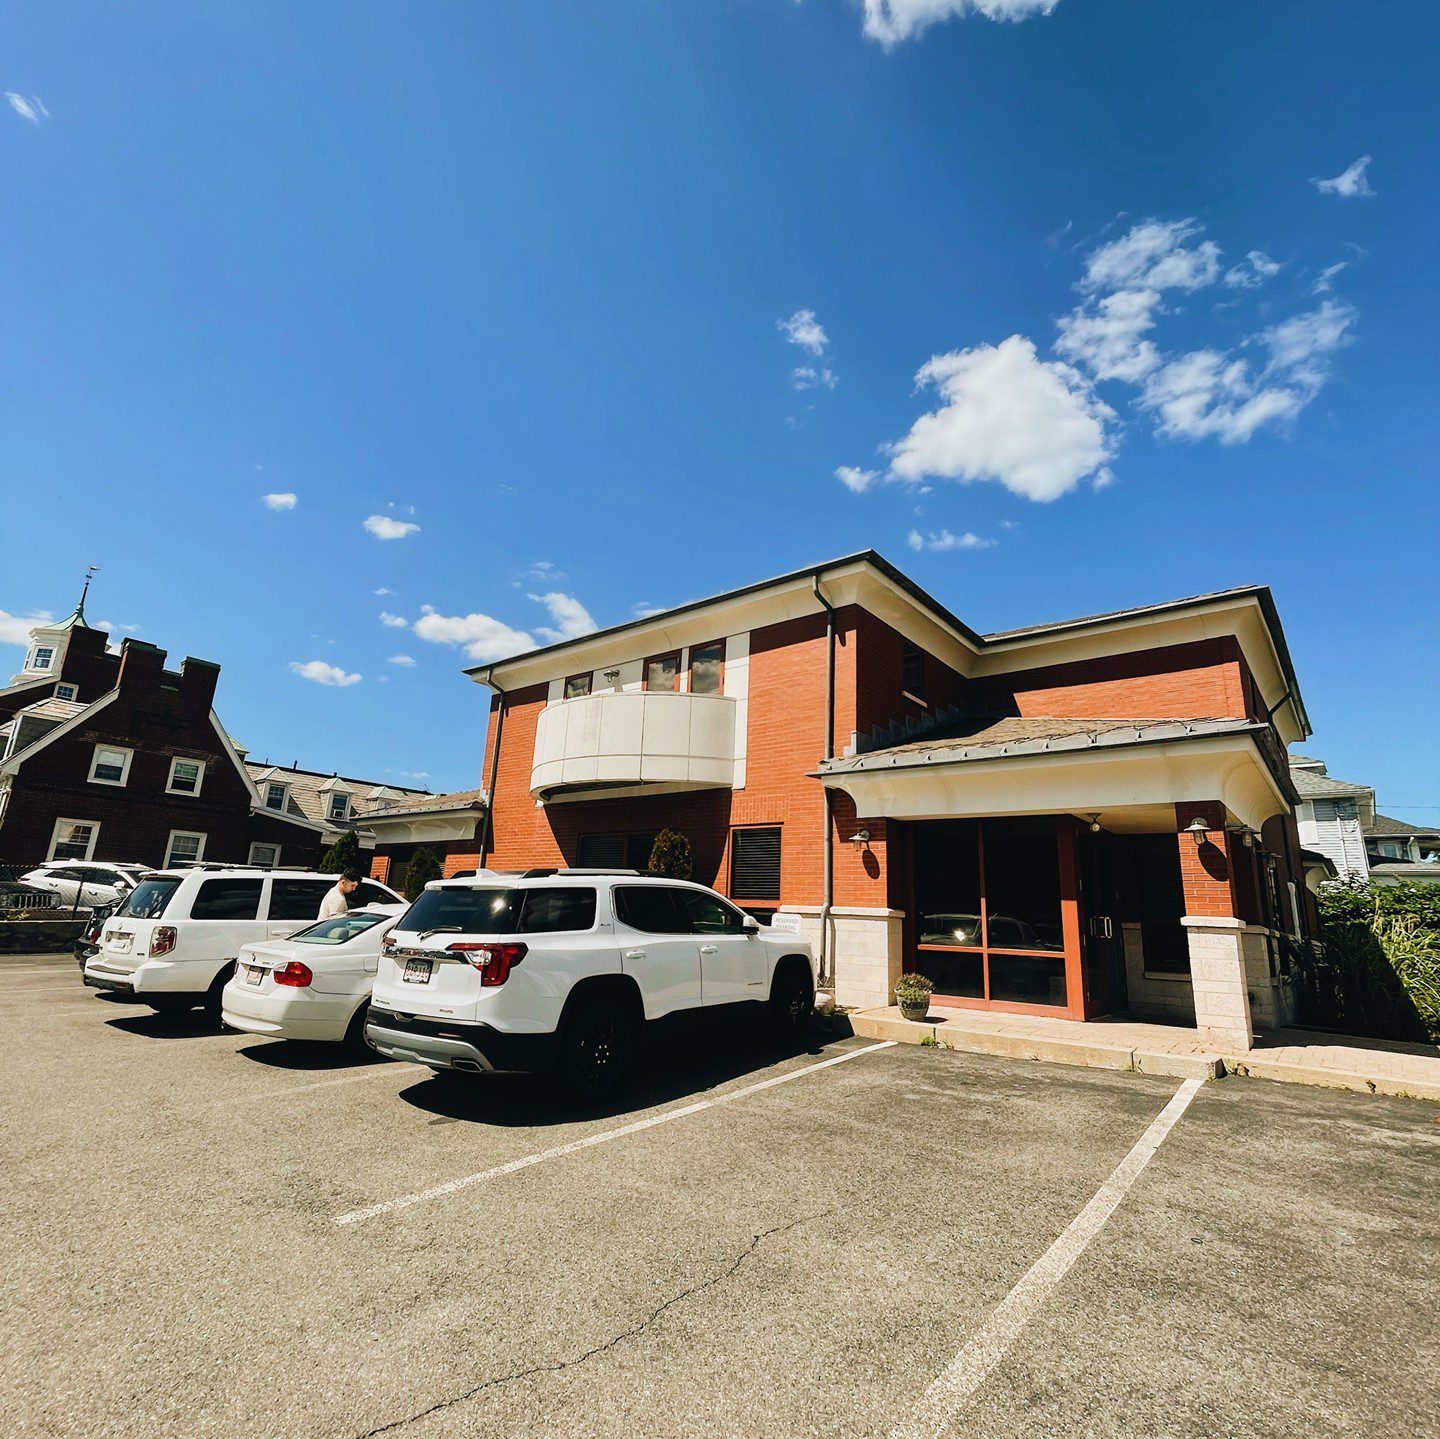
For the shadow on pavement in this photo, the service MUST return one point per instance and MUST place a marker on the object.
(683, 1063)
(309, 1058)
(188, 1024)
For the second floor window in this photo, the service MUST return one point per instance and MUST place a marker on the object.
(111, 765)
(912, 672)
(707, 669)
(185, 776)
(576, 686)
(275, 796)
(663, 672)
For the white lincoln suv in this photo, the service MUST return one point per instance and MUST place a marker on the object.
(562, 968)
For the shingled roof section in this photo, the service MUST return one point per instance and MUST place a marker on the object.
(433, 803)
(1309, 785)
(1383, 827)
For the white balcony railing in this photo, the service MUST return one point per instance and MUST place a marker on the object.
(635, 737)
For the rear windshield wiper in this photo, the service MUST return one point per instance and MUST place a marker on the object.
(439, 929)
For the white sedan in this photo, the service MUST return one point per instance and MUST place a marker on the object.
(316, 984)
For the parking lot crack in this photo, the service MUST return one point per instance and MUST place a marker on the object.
(633, 1332)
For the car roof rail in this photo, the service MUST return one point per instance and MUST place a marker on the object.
(606, 869)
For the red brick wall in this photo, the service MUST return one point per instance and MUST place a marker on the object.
(1206, 871)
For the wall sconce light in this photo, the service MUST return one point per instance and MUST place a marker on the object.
(861, 836)
(1198, 830)
(612, 675)
(1246, 835)
(1094, 818)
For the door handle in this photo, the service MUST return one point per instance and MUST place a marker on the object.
(709, 949)
(634, 954)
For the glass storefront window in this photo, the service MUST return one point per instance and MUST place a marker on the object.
(1022, 884)
(947, 884)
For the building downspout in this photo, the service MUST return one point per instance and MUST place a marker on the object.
(824, 959)
(486, 825)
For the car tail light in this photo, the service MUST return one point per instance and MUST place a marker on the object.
(163, 940)
(494, 961)
(295, 974)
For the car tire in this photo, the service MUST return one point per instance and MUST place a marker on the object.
(597, 1048)
(792, 1000)
(215, 995)
(355, 1033)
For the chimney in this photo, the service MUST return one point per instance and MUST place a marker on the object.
(141, 665)
(197, 684)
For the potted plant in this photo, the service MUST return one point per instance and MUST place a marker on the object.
(912, 994)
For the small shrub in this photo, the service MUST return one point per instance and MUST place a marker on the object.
(343, 854)
(423, 867)
(670, 855)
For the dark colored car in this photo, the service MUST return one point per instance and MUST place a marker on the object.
(88, 940)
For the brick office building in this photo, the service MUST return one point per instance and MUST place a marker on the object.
(1073, 819)
(111, 756)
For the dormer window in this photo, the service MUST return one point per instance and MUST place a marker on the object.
(42, 657)
(66, 692)
(339, 806)
(275, 796)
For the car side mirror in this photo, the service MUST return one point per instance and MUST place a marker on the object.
(751, 925)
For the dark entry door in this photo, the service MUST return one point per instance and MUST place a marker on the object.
(1102, 933)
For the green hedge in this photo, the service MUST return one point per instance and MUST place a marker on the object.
(1379, 972)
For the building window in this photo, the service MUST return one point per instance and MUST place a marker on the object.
(186, 776)
(73, 839)
(755, 863)
(267, 856)
(339, 806)
(42, 657)
(912, 672)
(615, 851)
(662, 672)
(275, 795)
(577, 685)
(184, 848)
(1389, 849)
(111, 765)
(707, 669)
(66, 692)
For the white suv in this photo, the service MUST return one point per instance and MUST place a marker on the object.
(561, 968)
(172, 944)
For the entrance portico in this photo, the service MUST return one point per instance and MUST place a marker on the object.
(1080, 868)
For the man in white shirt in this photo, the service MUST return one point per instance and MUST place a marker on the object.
(337, 903)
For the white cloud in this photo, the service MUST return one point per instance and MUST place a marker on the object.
(15, 629)
(1324, 282)
(807, 377)
(645, 612)
(483, 638)
(383, 590)
(1154, 255)
(320, 673)
(1104, 478)
(803, 329)
(281, 501)
(891, 21)
(1349, 184)
(941, 540)
(404, 661)
(394, 622)
(1252, 271)
(30, 108)
(1105, 335)
(385, 528)
(855, 479)
(1034, 425)
(571, 618)
(1299, 344)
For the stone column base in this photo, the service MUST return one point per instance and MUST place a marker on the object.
(866, 947)
(1220, 981)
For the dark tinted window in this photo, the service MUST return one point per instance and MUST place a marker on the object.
(651, 908)
(755, 864)
(297, 898)
(464, 911)
(148, 899)
(227, 899)
(709, 915)
(367, 893)
(602, 851)
(547, 911)
(912, 671)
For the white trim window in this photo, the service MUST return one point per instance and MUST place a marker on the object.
(66, 692)
(276, 796)
(338, 808)
(267, 856)
(186, 776)
(42, 657)
(73, 839)
(184, 848)
(111, 764)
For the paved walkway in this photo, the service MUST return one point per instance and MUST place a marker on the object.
(1295, 1056)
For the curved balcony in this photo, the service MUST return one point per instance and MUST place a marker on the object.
(632, 739)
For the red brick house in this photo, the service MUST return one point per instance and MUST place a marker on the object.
(112, 756)
(1075, 819)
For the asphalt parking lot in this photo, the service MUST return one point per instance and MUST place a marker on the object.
(211, 1234)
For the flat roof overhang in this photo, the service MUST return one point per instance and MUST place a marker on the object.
(1132, 787)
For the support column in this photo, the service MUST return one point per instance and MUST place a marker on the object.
(1215, 932)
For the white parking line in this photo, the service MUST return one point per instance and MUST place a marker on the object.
(935, 1411)
(389, 1206)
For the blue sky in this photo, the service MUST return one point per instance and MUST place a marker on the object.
(625, 304)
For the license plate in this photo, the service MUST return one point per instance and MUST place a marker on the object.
(417, 971)
(121, 944)
(253, 975)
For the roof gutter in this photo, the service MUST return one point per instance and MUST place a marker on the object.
(827, 836)
(487, 823)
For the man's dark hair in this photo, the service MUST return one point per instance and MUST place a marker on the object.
(350, 877)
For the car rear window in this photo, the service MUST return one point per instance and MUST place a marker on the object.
(148, 899)
(651, 908)
(502, 911)
(298, 898)
(340, 930)
(367, 893)
(227, 899)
